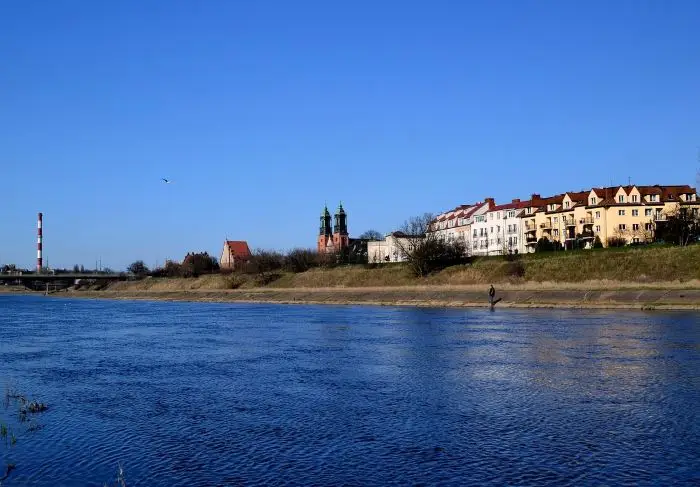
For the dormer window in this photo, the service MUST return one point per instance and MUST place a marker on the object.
(566, 204)
(621, 199)
(593, 200)
(634, 198)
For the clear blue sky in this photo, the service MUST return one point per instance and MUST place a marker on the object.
(262, 111)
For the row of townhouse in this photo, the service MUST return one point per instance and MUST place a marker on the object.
(632, 213)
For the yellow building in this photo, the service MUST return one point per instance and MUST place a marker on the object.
(633, 213)
(629, 213)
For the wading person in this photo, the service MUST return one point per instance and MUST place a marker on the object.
(492, 295)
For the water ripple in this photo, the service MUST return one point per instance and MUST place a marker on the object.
(212, 394)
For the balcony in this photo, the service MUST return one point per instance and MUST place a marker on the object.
(570, 222)
(530, 227)
(587, 235)
(586, 221)
(531, 239)
(660, 217)
(546, 225)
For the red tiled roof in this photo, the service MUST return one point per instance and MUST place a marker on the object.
(239, 248)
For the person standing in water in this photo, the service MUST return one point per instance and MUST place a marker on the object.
(492, 295)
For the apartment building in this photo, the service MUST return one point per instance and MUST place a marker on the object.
(498, 231)
(456, 223)
(392, 249)
(632, 213)
(573, 219)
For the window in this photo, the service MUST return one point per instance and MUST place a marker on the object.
(597, 228)
(511, 214)
(597, 214)
(634, 198)
(490, 216)
(515, 240)
(566, 204)
(498, 228)
(647, 226)
(593, 200)
(498, 215)
(635, 212)
(621, 212)
(529, 210)
(647, 212)
(635, 240)
(635, 226)
(621, 199)
(556, 219)
(491, 229)
(623, 226)
(475, 244)
(556, 232)
(475, 232)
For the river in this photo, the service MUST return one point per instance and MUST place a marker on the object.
(186, 394)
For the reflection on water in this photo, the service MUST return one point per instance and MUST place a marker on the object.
(212, 394)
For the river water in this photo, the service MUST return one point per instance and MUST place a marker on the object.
(185, 394)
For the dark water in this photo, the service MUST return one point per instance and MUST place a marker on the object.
(210, 394)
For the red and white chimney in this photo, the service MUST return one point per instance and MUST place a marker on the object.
(38, 244)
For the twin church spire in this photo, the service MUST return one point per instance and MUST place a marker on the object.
(333, 233)
(340, 219)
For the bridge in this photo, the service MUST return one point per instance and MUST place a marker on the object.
(46, 281)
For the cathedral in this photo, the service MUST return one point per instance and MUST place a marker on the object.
(333, 239)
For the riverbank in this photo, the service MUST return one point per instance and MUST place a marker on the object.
(433, 296)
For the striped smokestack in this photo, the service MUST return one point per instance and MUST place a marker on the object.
(38, 244)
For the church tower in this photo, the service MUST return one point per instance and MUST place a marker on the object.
(340, 229)
(325, 232)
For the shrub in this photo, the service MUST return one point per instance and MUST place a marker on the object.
(301, 260)
(617, 242)
(138, 268)
(597, 244)
(515, 269)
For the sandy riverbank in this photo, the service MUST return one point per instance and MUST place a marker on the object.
(437, 296)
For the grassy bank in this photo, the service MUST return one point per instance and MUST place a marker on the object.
(651, 267)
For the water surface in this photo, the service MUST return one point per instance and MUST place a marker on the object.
(185, 394)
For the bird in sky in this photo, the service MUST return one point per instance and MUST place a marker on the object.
(166, 181)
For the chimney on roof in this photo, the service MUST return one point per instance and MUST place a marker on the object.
(490, 201)
(536, 196)
(516, 200)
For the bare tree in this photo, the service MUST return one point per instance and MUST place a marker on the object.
(267, 264)
(682, 226)
(423, 248)
(371, 235)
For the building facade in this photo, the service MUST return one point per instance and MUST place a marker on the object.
(614, 215)
(458, 222)
(234, 254)
(628, 214)
(497, 231)
(392, 249)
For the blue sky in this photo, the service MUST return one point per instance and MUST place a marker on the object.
(263, 111)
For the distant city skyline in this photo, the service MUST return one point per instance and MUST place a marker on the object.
(261, 114)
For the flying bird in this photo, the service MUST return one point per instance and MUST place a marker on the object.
(166, 181)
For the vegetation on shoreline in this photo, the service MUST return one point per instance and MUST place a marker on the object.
(21, 421)
(655, 266)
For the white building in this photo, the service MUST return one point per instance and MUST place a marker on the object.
(498, 231)
(456, 224)
(391, 249)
